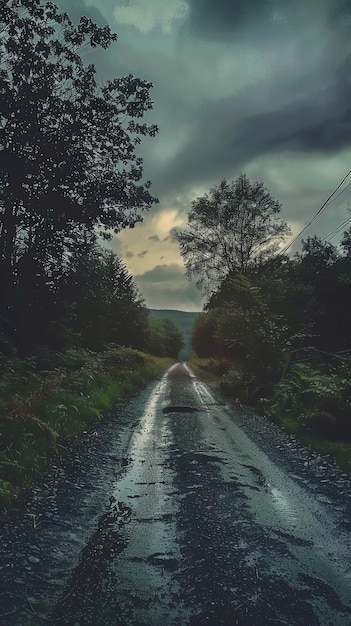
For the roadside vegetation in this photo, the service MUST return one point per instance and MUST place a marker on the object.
(74, 329)
(184, 320)
(276, 330)
(41, 410)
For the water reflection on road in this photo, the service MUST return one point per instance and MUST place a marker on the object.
(188, 511)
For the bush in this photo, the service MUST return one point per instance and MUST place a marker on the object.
(319, 399)
(40, 410)
(236, 384)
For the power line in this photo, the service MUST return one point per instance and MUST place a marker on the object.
(340, 192)
(336, 230)
(317, 213)
(313, 218)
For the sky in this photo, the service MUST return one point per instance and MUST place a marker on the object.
(261, 87)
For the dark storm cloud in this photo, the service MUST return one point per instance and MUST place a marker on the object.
(220, 138)
(340, 12)
(239, 85)
(221, 20)
(318, 121)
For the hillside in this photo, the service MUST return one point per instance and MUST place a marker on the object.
(184, 320)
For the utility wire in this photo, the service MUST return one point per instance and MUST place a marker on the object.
(336, 230)
(340, 192)
(329, 200)
(317, 214)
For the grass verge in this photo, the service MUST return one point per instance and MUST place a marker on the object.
(40, 410)
(211, 369)
(339, 450)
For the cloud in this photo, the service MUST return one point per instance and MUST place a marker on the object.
(219, 19)
(162, 273)
(78, 8)
(129, 255)
(228, 134)
(154, 238)
(165, 286)
(142, 254)
(222, 20)
(146, 16)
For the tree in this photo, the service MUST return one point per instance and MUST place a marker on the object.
(346, 243)
(68, 145)
(233, 228)
(203, 341)
(261, 322)
(107, 306)
(321, 267)
(316, 257)
(173, 338)
(164, 338)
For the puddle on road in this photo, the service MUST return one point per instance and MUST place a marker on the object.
(180, 409)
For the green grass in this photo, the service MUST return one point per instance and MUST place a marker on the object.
(210, 369)
(339, 450)
(41, 410)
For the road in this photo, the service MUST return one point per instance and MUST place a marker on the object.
(182, 509)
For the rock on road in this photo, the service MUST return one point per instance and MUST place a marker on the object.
(198, 513)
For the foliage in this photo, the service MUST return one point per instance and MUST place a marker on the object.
(40, 411)
(257, 319)
(210, 368)
(95, 302)
(69, 164)
(233, 228)
(105, 302)
(319, 398)
(236, 384)
(203, 340)
(327, 273)
(253, 324)
(164, 338)
(185, 322)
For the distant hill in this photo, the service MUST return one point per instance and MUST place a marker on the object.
(184, 320)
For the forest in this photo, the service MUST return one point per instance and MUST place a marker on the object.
(75, 333)
(276, 328)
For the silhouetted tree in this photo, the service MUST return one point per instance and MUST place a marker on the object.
(107, 305)
(164, 338)
(230, 230)
(203, 340)
(68, 163)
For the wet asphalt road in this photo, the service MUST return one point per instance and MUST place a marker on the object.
(180, 509)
